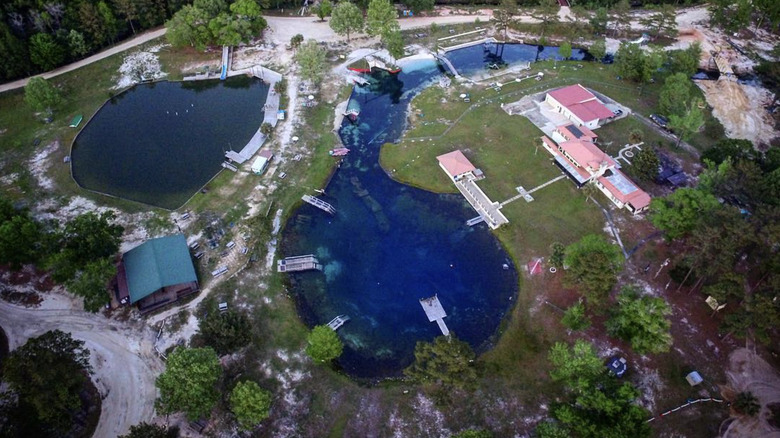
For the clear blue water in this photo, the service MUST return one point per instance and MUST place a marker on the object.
(477, 58)
(382, 254)
(160, 143)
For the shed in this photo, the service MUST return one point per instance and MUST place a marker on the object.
(76, 121)
(694, 378)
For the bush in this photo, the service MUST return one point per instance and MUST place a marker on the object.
(324, 344)
(575, 317)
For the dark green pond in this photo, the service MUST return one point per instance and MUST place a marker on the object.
(160, 143)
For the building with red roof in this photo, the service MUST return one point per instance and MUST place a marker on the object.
(456, 165)
(584, 162)
(578, 105)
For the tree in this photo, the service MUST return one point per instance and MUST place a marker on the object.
(14, 53)
(593, 265)
(311, 59)
(189, 382)
(678, 213)
(675, 94)
(45, 52)
(41, 95)
(92, 284)
(736, 149)
(323, 345)
(558, 252)
(503, 16)
(211, 7)
(381, 18)
(87, 238)
(48, 373)
(266, 129)
(297, 39)
(346, 19)
(598, 49)
(129, 9)
(632, 63)
(146, 430)
(685, 61)
(662, 22)
(599, 21)
(575, 317)
(20, 240)
(250, 403)
(620, 15)
(76, 44)
(109, 21)
(641, 320)
(565, 50)
(596, 405)
(323, 9)
(687, 123)
(646, 164)
(394, 43)
(225, 332)
(190, 27)
(250, 16)
(473, 433)
(418, 6)
(746, 404)
(547, 13)
(446, 361)
(549, 429)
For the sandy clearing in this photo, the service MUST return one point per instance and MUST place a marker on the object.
(749, 372)
(740, 107)
(121, 355)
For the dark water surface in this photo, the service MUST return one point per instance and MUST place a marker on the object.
(384, 251)
(160, 143)
(477, 58)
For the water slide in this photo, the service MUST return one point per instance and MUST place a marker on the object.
(223, 75)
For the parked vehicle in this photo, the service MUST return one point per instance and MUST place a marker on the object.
(660, 121)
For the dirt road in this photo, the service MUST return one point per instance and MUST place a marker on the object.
(135, 41)
(121, 356)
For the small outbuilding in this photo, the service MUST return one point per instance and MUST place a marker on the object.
(694, 378)
(76, 121)
(456, 165)
(261, 162)
(156, 273)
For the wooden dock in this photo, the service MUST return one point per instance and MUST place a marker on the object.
(435, 312)
(337, 322)
(298, 263)
(319, 203)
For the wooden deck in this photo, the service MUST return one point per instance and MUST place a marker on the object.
(435, 312)
(298, 263)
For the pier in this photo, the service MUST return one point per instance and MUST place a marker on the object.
(298, 263)
(337, 322)
(476, 220)
(435, 312)
(319, 203)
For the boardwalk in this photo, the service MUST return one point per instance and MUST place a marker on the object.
(489, 210)
(298, 263)
(527, 194)
(319, 203)
(435, 312)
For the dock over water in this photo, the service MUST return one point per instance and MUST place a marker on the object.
(337, 322)
(435, 312)
(298, 263)
(319, 203)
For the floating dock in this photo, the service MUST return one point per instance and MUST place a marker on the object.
(435, 312)
(337, 322)
(298, 263)
(319, 203)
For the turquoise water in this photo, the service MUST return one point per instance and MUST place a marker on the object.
(384, 251)
(478, 58)
(160, 143)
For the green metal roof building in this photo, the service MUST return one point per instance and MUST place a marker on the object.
(156, 273)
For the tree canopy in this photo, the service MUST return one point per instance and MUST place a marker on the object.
(346, 19)
(20, 239)
(189, 382)
(225, 332)
(646, 163)
(381, 18)
(146, 430)
(446, 361)
(633, 63)
(593, 265)
(641, 320)
(596, 405)
(91, 283)
(598, 49)
(208, 22)
(311, 59)
(504, 15)
(48, 373)
(323, 344)
(250, 403)
(678, 213)
(675, 94)
(41, 95)
(87, 238)
(323, 9)
(418, 6)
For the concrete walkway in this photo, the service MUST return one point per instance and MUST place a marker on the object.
(486, 208)
(132, 42)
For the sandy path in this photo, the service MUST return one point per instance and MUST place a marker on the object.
(135, 41)
(121, 356)
(749, 372)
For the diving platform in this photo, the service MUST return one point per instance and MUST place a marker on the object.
(337, 322)
(374, 62)
(319, 203)
(298, 263)
(476, 220)
(435, 312)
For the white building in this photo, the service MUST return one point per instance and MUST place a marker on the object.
(261, 162)
(578, 105)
